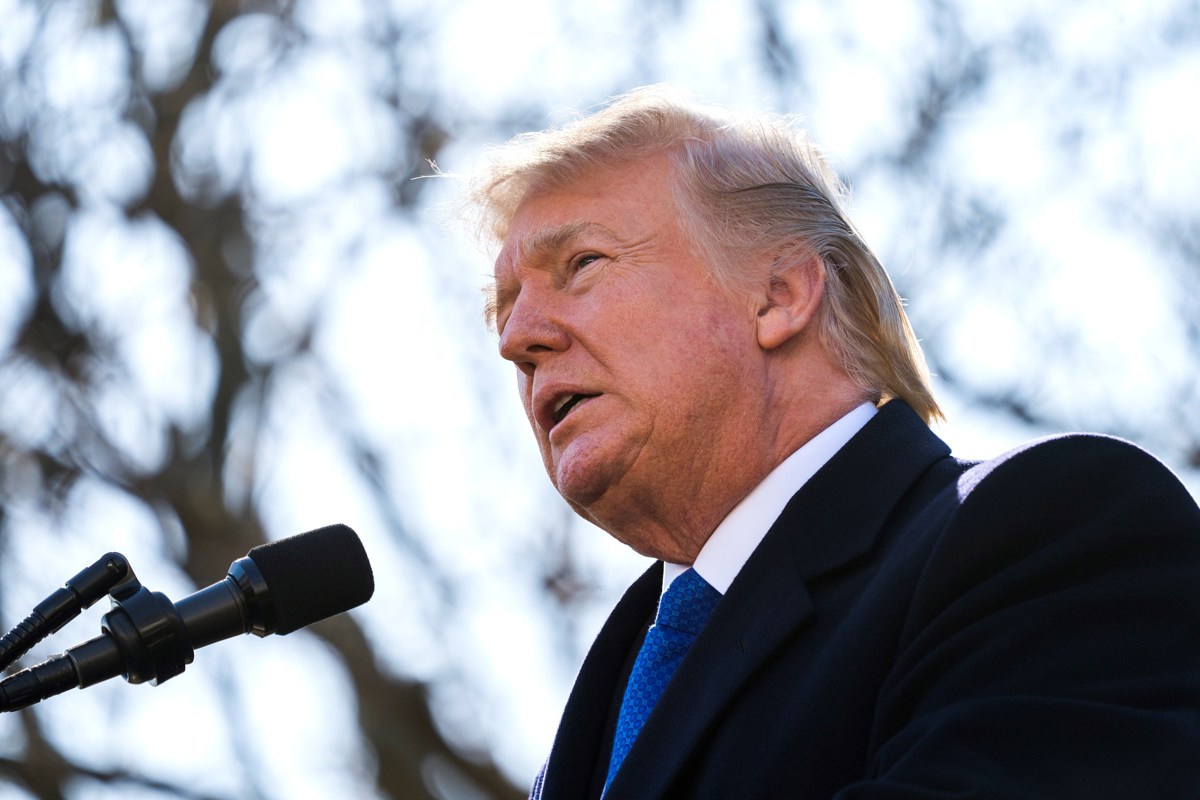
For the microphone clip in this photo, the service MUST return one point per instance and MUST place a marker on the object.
(150, 635)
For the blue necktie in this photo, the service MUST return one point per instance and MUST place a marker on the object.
(682, 612)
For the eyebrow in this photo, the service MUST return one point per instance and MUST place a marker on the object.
(552, 238)
(536, 247)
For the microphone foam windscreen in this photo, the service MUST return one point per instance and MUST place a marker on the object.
(314, 575)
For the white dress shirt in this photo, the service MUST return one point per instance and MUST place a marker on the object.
(729, 547)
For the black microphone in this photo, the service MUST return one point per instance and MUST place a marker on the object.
(278, 587)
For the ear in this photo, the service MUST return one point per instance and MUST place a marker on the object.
(792, 299)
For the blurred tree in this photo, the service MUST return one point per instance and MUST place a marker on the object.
(1043, 215)
(105, 107)
(208, 209)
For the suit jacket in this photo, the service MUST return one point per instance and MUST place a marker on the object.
(914, 626)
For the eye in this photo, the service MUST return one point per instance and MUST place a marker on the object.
(584, 260)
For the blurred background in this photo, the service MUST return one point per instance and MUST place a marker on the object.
(229, 314)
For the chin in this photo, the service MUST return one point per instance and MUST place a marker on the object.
(581, 488)
(585, 469)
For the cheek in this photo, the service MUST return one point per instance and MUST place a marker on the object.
(713, 339)
(525, 392)
(718, 357)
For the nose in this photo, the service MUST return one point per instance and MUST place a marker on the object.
(532, 332)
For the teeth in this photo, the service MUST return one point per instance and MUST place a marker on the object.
(563, 405)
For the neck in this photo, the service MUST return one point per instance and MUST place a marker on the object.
(655, 523)
(673, 524)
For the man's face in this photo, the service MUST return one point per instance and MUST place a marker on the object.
(642, 380)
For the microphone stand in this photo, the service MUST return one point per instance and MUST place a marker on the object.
(108, 574)
(144, 637)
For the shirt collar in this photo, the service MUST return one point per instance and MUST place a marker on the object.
(730, 545)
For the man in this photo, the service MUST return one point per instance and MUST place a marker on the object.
(719, 373)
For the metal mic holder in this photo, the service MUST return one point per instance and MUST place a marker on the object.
(48, 617)
(144, 639)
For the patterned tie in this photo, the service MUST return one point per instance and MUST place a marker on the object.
(682, 612)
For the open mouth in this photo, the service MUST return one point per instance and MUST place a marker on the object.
(566, 404)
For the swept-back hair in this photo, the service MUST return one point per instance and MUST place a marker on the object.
(744, 186)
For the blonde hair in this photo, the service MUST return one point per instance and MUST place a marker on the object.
(743, 185)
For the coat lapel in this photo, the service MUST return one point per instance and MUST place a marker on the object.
(835, 517)
(581, 739)
(724, 655)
